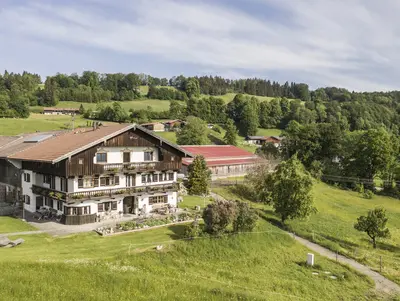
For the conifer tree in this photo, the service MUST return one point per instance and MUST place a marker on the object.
(199, 177)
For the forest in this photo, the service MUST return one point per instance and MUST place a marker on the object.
(199, 96)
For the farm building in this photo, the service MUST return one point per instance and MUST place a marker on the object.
(223, 160)
(171, 124)
(154, 126)
(260, 140)
(60, 111)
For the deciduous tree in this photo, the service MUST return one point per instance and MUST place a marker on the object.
(374, 224)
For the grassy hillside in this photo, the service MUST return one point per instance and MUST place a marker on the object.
(333, 226)
(156, 104)
(37, 122)
(218, 138)
(267, 265)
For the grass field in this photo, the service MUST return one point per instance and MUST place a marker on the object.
(218, 138)
(333, 225)
(170, 136)
(38, 122)
(9, 224)
(155, 104)
(269, 132)
(190, 201)
(267, 265)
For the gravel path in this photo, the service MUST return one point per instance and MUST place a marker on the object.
(382, 284)
(21, 233)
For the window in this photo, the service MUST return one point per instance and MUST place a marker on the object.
(80, 161)
(107, 206)
(77, 210)
(27, 177)
(101, 158)
(116, 180)
(149, 178)
(106, 181)
(126, 157)
(158, 199)
(46, 179)
(114, 205)
(148, 156)
(27, 199)
(96, 182)
(144, 178)
(63, 182)
(48, 202)
(80, 183)
(155, 177)
(59, 205)
(171, 176)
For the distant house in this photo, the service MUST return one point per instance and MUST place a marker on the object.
(171, 124)
(60, 111)
(154, 126)
(260, 140)
(223, 160)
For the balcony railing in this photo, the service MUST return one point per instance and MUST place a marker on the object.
(48, 192)
(101, 193)
(140, 167)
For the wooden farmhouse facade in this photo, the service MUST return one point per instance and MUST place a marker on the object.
(90, 173)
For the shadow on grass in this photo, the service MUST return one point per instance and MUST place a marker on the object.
(177, 230)
(272, 218)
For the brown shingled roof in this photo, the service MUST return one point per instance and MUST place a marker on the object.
(67, 144)
(16, 143)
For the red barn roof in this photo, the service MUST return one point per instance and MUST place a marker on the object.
(219, 154)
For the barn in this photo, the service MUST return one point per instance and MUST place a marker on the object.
(223, 160)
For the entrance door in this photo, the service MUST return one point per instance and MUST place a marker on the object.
(131, 203)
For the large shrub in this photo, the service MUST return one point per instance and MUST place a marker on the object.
(218, 216)
(245, 219)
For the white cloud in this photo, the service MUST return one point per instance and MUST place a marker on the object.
(333, 42)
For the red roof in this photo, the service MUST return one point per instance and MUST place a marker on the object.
(219, 154)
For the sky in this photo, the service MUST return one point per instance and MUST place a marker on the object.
(345, 43)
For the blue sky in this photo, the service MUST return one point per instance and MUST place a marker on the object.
(346, 43)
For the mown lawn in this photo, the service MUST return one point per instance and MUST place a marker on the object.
(333, 226)
(190, 201)
(266, 265)
(38, 122)
(9, 225)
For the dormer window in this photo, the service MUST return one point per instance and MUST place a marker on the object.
(101, 157)
(148, 156)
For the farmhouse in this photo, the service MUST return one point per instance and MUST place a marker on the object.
(90, 174)
(223, 160)
(260, 140)
(154, 126)
(60, 111)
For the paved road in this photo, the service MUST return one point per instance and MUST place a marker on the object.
(381, 283)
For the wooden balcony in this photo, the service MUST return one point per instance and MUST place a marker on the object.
(48, 192)
(140, 167)
(102, 193)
